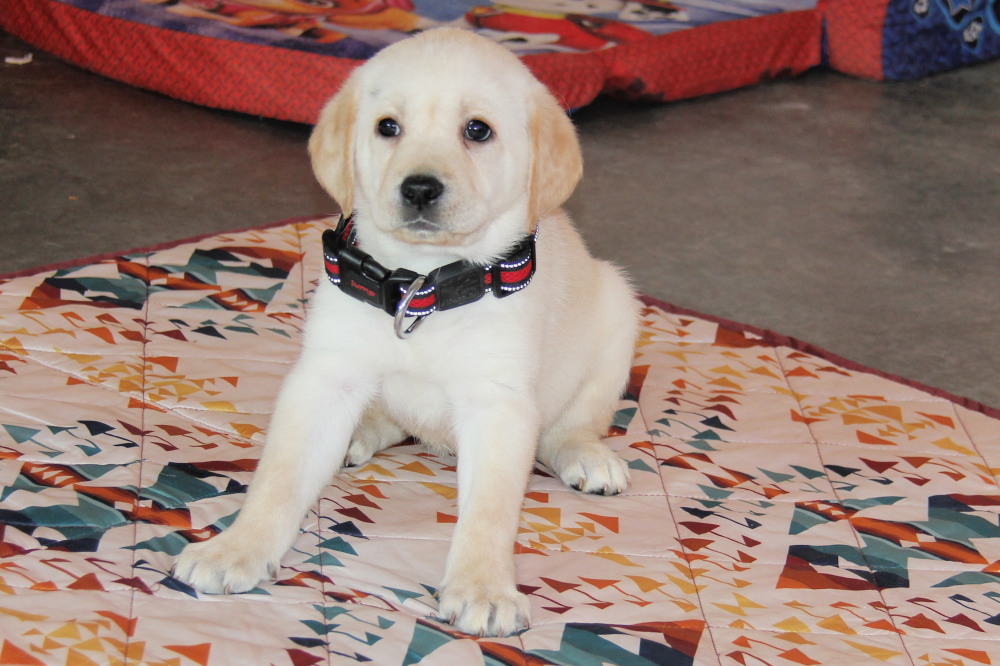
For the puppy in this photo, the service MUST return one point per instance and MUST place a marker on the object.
(496, 335)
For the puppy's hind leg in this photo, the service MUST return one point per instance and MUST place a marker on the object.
(571, 446)
(375, 431)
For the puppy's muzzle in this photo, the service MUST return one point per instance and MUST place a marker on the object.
(421, 192)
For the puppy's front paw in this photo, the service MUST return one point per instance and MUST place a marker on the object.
(225, 564)
(593, 468)
(481, 611)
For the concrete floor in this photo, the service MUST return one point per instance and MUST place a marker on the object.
(861, 217)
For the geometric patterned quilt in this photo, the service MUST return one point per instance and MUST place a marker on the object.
(784, 508)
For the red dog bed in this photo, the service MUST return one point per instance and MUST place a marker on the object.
(284, 58)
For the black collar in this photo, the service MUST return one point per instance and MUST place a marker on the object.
(404, 293)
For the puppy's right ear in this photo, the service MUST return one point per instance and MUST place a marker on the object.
(330, 145)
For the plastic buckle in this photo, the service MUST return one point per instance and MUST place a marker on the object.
(367, 280)
(394, 286)
(361, 276)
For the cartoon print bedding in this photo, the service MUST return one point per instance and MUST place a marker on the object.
(284, 58)
(785, 508)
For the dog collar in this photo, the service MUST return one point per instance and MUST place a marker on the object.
(406, 294)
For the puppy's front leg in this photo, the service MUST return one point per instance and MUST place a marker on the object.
(496, 435)
(314, 416)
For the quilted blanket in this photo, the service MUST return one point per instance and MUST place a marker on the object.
(785, 507)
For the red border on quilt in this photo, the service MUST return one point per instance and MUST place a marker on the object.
(268, 81)
(854, 31)
(715, 57)
(293, 85)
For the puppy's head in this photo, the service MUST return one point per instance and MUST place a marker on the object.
(446, 139)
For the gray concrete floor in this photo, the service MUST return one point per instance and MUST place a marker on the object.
(862, 217)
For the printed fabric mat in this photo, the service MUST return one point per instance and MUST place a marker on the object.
(785, 507)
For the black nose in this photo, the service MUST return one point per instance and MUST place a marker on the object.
(421, 191)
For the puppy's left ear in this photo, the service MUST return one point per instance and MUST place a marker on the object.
(557, 163)
(330, 146)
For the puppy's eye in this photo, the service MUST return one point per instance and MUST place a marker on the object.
(388, 127)
(477, 130)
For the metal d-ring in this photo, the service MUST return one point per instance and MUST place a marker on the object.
(404, 304)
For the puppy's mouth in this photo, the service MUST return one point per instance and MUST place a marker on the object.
(420, 230)
(422, 225)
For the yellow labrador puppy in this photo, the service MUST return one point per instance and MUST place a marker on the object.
(494, 333)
